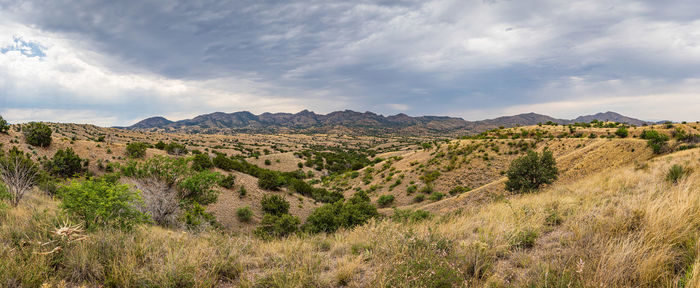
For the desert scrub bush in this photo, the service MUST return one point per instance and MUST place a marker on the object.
(277, 226)
(385, 200)
(531, 171)
(268, 162)
(411, 189)
(410, 216)
(458, 190)
(622, 132)
(136, 149)
(274, 204)
(657, 141)
(4, 127)
(37, 134)
(436, 196)
(242, 192)
(419, 198)
(357, 210)
(270, 180)
(99, 203)
(201, 162)
(244, 214)
(227, 182)
(676, 173)
(65, 163)
(177, 149)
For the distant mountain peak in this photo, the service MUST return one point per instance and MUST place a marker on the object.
(361, 122)
(152, 122)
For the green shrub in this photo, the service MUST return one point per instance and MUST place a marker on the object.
(419, 198)
(99, 203)
(37, 134)
(268, 162)
(174, 148)
(328, 218)
(657, 141)
(458, 190)
(409, 216)
(160, 145)
(201, 162)
(676, 173)
(65, 163)
(199, 188)
(270, 180)
(244, 214)
(622, 132)
(277, 226)
(136, 149)
(228, 181)
(274, 204)
(436, 196)
(242, 192)
(196, 215)
(4, 127)
(531, 171)
(385, 200)
(411, 189)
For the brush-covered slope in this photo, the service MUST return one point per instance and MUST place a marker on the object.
(624, 227)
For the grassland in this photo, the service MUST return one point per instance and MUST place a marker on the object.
(613, 219)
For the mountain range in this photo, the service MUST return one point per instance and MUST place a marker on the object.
(349, 121)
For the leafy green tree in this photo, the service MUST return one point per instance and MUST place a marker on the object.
(37, 134)
(201, 162)
(100, 203)
(136, 149)
(4, 127)
(65, 163)
(274, 204)
(531, 171)
(199, 188)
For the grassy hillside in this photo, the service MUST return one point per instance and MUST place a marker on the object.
(614, 217)
(620, 228)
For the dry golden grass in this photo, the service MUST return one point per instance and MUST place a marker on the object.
(617, 228)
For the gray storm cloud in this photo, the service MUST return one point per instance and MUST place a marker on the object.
(114, 62)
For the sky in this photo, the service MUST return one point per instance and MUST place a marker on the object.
(113, 63)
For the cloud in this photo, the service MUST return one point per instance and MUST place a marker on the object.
(127, 60)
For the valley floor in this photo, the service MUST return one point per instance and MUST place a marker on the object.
(627, 227)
